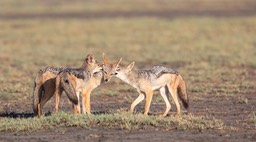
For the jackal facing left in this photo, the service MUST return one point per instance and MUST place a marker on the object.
(167, 80)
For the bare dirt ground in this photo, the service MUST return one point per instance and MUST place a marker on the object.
(231, 110)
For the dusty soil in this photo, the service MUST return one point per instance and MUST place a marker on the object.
(78, 134)
(233, 111)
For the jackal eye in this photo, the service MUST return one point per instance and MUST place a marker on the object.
(114, 73)
(105, 72)
(66, 81)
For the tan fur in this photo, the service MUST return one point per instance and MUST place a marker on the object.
(145, 84)
(46, 82)
(109, 69)
(59, 87)
(85, 88)
(94, 82)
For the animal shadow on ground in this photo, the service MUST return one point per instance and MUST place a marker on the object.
(31, 115)
(16, 115)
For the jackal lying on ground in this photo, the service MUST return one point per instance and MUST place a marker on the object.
(167, 80)
(45, 82)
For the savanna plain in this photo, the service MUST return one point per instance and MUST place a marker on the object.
(211, 43)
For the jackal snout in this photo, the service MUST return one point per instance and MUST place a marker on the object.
(97, 67)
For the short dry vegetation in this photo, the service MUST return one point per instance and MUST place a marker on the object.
(119, 120)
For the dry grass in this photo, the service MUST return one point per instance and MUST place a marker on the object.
(55, 6)
(194, 44)
(118, 120)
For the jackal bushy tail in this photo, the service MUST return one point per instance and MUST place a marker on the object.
(63, 82)
(182, 93)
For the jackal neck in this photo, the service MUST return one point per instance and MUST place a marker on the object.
(99, 77)
(84, 66)
(130, 78)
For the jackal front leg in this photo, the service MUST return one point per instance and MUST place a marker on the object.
(58, 92)
(86, 103)
(39, 110)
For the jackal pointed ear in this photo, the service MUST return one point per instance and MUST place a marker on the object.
(90, 59)
(130, 66)
(117, 63)
(105, 59)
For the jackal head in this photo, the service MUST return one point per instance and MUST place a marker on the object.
(124, 71)
(90, 64)
(68, 84)
(109, 69)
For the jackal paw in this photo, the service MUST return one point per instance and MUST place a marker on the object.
(177, 114)
(163, 115)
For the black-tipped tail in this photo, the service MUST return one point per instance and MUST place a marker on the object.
(72, 98)
(182, 93)
(68, 87)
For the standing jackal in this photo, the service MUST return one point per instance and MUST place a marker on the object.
(83, 84)
(167, 80)
(45, 83)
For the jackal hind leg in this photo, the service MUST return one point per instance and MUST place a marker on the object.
(58, 94)
(39, 110)
(149, 96)
(48, 93)
(164, 93)
(173, 91)
(137, 101)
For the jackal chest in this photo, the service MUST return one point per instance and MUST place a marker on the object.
(80, 85)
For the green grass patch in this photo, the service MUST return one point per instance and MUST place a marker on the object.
(117, 120)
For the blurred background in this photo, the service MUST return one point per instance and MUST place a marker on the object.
(212, 43)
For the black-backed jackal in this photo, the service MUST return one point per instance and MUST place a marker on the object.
(84, 85)
(167, 80)
(45, 83)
